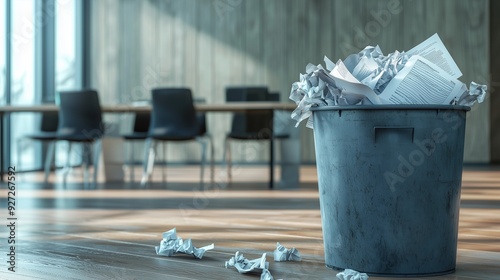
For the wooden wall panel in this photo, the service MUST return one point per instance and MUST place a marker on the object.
(209, 45)
(229, 32)
(129, 27)
(253, 44)
(473, 40)
(205, 82)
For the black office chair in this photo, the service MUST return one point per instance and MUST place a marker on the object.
(251, 124)
(201, 118)
(139, 133)
(173, 118)
(47, 134)
(80, 121)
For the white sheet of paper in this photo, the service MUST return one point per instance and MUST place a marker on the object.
(434, 50)
(421, 82)
(364, 68)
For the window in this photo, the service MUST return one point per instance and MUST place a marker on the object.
(66, 72)
(22, 84)
(42, 51)
(66, 68)
(23, 52)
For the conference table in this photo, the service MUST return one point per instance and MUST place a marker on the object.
(124, 108)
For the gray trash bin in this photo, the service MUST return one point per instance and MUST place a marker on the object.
(389, 181)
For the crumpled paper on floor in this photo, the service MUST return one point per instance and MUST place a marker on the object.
(244, 265)
(282, 254)
(350, 274)
(266, 275)
(171, 244)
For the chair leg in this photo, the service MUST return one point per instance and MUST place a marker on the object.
(227, 158)
(151, 160)
(144, 179)
(164, 163)
(96, 157)
(148, 164)
(19, 146)
(66, 166)
(48, 161)
(131, 161)
(212, 168)
(85, 164)
(203, 143)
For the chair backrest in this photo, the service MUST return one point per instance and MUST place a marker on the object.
(251, 123)
(141, 122)
(273, 96)
(80, 116)
(201, 117)
(49, 122)
(173, 116)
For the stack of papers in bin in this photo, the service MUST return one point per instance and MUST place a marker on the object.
(426, 74)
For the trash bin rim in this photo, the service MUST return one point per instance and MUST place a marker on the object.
(392, 107)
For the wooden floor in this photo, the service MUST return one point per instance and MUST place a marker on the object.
(110, 232)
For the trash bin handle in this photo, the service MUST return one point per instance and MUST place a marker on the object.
(402, 131)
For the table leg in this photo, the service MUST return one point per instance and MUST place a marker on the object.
(271, 162)
(1, 147)
(271, 153)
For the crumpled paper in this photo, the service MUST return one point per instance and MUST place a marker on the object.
(350, 274)
(476, 93)
(282, 254)
(311, 91)
(171, 244)
(315, 89)
(244, 265)
(383, 68)
(370, 68)
(266, 275)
